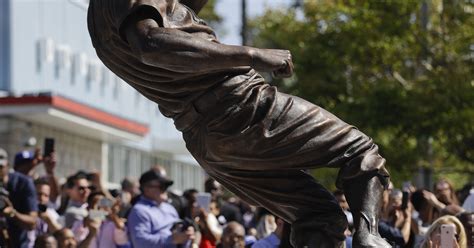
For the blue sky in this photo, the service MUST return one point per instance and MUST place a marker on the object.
(230, 10)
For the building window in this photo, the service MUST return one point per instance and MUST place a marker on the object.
(116, 91)
(44, 52)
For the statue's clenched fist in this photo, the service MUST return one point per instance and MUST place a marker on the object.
(277, 61)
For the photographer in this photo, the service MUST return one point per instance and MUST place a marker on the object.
(19, 214)
(49, 163)
(151, 222)
(103, 228)
(48, 221)
(395, 224)
(25, 162)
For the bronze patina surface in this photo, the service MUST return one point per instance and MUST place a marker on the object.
(254, 140)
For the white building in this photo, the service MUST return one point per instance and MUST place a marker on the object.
(53, 85)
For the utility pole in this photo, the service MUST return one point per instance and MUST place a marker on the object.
(425, 173)
(244, 23)
(298, 4)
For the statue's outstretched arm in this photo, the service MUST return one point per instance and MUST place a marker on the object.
(183, 52)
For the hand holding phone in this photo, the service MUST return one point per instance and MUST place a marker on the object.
(105, 203)
(42, 208)
(97, 215)
(204, 201)
(447, 235)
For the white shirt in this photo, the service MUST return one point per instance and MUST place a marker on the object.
(108, 236)
(468, 204)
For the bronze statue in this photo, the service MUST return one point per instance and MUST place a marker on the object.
(248, 136)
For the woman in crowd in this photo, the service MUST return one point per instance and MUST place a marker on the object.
(103, 227)
(433, 236)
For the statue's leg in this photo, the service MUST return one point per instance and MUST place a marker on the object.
(364, 195)
(259, 151)
(313, 212)
(364, 198)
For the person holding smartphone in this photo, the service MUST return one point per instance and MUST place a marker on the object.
(49, 163)
(395, 225)
(48, 221)
(198, 210)
(437, 235)
(102, 228)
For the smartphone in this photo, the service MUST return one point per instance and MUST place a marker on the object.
(204, 200)
(447, 235)
(405, 200)
(42, 208)
(105, 202)
(406, 186)
(48, 146)
(177, 226)
(97, 214)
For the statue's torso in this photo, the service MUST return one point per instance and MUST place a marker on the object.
(173, 91)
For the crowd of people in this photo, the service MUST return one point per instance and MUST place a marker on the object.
(37, 211)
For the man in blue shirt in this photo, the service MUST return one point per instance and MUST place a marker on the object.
(18, 205)
(152, 220)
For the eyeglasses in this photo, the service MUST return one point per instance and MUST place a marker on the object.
(157, 186)
(154, 186)
(83, 188)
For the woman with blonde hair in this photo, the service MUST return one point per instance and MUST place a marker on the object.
(433, 235)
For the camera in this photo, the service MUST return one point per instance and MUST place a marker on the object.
(182, 225)
(42, 208)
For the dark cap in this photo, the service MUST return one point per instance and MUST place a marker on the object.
(23, 157)
(155, 175)
(3, 157)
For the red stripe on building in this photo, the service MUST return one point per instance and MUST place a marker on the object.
(81, 110)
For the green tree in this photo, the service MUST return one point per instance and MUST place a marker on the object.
(401, 71)
(209, 14)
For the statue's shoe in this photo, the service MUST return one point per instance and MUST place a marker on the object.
(367, 240)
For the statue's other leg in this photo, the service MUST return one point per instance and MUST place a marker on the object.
(364, 195)
(314, 214)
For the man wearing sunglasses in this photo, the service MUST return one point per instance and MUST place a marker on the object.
(78, 189)
(153, 222)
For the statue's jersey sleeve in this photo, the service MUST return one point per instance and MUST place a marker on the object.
(107, 18)
(172, 90)
(153, 9)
